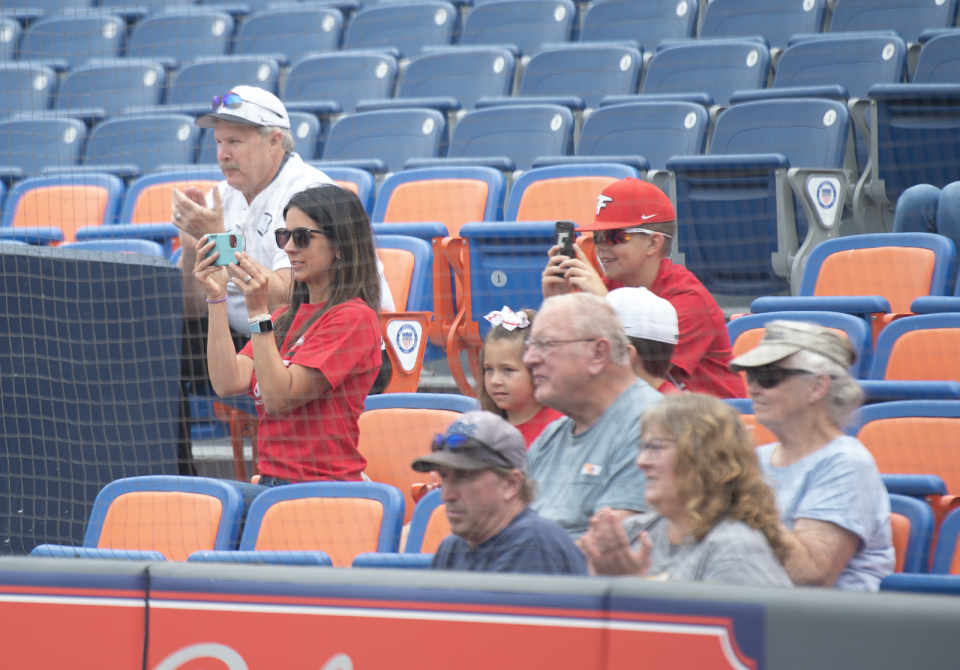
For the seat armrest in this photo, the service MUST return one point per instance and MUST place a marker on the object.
(883, 390)
(32, 234)
(318, 107)
(501, 163)
(61, 551)
(704, 99)
(915, 485)
(372, 165)
(858, 305)
(830, 92)
(425, 230)
(573, 102)
(935, 304)
(444, 104)
(638, 162)
(141, 231)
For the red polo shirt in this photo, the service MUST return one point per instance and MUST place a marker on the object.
(701, 359)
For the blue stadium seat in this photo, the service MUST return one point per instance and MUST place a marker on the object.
(335, 82)
(404, 27)
(776, 20)
(135, 144)
(28, 11)
(919, 517)
(578, 75)
(939, 60)
(452, 79)
(64, 42)
(647, 23)
(196, 84)
(527, 24)
(133, 246)
(908, 17)
(182, 36)
(738, 223)
(290, 32)
(508, 138)
(26, 88)
(9, 36)
(94, 92)
(306, 133)
(134, 10)
(384, 140)
(418, 295)
(31, 143)
(359, 181)
(642, 134)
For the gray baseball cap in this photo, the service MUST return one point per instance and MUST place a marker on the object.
(785, 338)
(477, 441)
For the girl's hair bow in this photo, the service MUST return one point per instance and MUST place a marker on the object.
(509, 319)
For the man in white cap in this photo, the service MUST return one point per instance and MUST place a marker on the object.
(652, 327)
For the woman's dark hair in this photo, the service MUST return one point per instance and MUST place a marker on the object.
(655, 355)
(340, 215)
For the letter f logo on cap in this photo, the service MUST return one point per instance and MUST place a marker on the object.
(602, 201)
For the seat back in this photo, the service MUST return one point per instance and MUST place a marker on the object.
(291, 32)
(144, 140)
(907, 17)
(452, 196)
(112, 88)
(150, 198)
(73, 38)
(392, 135)
(939, 61)
(33, 143)
(344, 77)
(655, 130)
(182, 36)
(404, 26)
(520, 132)
(395, 430)
(173, 515)
(467, 75)
(946, 559)
(588, 71)
(408, 269)
(26, 88)
(342, 519)
(198, 83)
(360, 182)
(67, 203)
(567, 192)
(429, 525)
(527, 24)
(858, 265)
(761, 435)
(912, 438)
(911, 521)
(775, 20)
(648, 22)
(921, 348)
(717, 68)
(122, 246)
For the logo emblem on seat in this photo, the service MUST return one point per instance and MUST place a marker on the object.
(407, 339)
(826, 195)
(602, 201)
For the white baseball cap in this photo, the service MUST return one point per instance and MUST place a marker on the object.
(249, 105)
(644, 315)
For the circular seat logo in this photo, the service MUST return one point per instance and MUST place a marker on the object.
(407, 339)
(826, 195)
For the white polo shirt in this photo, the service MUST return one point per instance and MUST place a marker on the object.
(257, 222)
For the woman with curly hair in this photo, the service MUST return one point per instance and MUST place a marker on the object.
(716, 519)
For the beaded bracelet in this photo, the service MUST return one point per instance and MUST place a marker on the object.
(211, 302)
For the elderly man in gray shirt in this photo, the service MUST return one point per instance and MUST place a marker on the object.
(580, 363)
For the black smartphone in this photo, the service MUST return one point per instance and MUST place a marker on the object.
(565, 236)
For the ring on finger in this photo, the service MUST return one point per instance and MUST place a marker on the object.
(246, 280)
(177, 216)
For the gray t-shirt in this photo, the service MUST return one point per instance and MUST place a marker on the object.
(579, 474)
(731, 553)
(840, 484)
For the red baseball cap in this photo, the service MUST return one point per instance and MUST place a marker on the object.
(629, 203)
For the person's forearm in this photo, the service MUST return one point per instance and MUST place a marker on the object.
(194, 297)
(273, 377)
(279, 289)
(222, 356)
(801, 566)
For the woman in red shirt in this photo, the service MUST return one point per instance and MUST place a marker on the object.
(309, 365)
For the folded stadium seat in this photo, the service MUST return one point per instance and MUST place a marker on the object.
(577, 76)
(359, 181)
(647, 23)
(913, 133)
(317, 523)
(761, 435)
(739, 226)
(31, 143)
(181, 36)
(844, 68)
(776, 20)
(94, 92)
(526, 24)
(290, 33)
(306, 134)
(52, 209)
(68, 41)
(428, 528)
(451, 80)
(28, 11)
(853, 275)
(408, 269)
(326, 84)
(402, 28)
(908, 17)
(157, 518)
(147, 208)
(247, 7)
(196, 84)
(26, 88)
(384, 140)
(9, 36)
(507, 138)
(123, 246)
(134, 10)
(911, 521)
(396, 428)
(945, 571)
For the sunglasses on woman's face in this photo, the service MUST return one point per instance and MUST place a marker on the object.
(769, 376)
(301, 236)
(622, 235)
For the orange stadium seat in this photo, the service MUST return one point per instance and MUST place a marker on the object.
(359, 181)
(911, 521)
(429, 526)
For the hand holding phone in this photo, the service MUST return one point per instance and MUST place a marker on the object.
(227, 244)
(565, 237)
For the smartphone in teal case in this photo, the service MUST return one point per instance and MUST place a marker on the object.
(228, 244)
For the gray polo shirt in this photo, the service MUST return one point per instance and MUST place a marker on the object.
(579, 474)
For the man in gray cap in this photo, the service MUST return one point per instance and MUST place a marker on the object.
(486, 488)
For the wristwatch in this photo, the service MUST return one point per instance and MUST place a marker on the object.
(265, 326)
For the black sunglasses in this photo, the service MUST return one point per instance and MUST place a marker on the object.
(301, 236)
(769, 376)
(468, 446)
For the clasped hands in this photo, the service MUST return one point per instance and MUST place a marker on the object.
(608, 550)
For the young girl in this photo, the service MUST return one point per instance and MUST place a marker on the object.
(506, 388)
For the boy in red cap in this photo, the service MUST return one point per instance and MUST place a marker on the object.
(633, 229)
